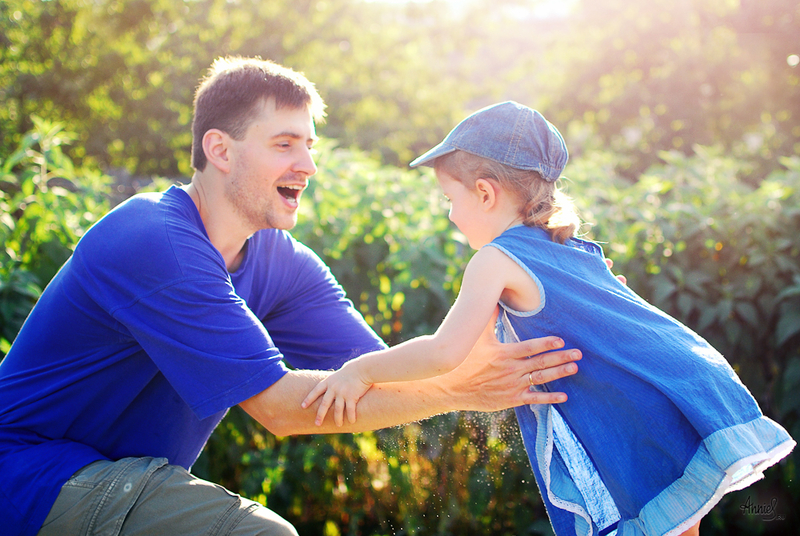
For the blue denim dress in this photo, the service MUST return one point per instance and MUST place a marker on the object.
(657, 426)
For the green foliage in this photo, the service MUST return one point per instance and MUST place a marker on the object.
(451, 475)
(644, 76)
(665, 75)
(99, 67)
(122, 73)
(46, 204)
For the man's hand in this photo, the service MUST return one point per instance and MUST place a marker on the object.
(497, 376)
(622, 278)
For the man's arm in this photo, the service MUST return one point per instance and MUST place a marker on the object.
(495, 376)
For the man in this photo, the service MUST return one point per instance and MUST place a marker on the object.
(175, 307)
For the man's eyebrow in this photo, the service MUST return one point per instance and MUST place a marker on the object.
(295, 136)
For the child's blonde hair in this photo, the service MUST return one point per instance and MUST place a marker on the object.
(542, 203)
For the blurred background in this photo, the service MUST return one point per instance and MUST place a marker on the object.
(683, 123)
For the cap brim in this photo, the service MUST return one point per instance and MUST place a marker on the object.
(428, 158)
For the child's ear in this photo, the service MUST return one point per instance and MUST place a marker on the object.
(216, 146)
(487, 192)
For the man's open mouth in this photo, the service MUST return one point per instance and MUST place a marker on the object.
(290, 192)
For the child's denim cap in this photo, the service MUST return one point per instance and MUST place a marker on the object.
(508, 133)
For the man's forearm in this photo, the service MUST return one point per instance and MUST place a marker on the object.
(494, 376)
(384, 405)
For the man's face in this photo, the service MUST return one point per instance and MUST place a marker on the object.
(271, 167)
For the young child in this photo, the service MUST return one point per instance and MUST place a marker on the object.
(657, 426)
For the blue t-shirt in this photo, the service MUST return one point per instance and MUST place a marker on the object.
(143, 340)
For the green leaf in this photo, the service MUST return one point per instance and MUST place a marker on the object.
(788, 326)
(789, 292)
(748, 312)
(685, 304)
(664, 288)
(707, 318)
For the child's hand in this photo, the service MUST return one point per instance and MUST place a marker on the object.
(342, 389)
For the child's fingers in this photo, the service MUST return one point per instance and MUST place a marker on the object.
(315, 393)
(338, 411)
(351, 411)
(327, 400)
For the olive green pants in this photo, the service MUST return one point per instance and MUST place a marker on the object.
(149, 497)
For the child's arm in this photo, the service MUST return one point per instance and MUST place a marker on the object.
(489, 275)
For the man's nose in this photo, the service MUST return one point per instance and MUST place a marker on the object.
(305, 164)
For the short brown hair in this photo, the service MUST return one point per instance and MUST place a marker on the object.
(234, 87)
(542, 203)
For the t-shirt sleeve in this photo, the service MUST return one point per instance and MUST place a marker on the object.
(315, 325)
(207, 343)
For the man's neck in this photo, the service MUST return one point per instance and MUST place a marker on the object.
(224, 229)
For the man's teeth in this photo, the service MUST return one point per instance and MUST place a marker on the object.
(291, 192)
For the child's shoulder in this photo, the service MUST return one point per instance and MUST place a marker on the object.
(488, 254)
(492, 260)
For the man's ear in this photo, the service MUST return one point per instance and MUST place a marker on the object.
(216, 146)
(487, 192)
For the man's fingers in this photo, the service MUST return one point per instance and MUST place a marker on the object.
(545, 365)
(622, 279)
(544, 372)
(542, 376)
(498, 376)
(537, 348)
(540, 354)
(542, 397)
